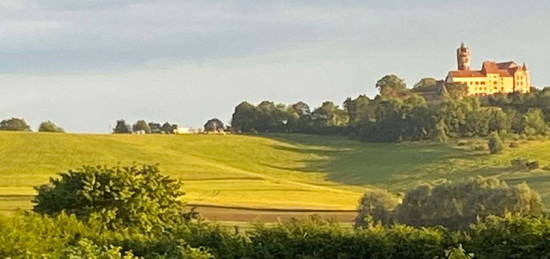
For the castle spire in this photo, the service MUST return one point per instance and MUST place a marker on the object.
(463, 57)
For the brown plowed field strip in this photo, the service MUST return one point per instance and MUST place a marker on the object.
(220, 213)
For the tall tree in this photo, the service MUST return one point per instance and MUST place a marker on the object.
(214, 125)
(329, 115)
(533, 122)
(168, 128)
(300, 108)
(391, 85)
(141, 126)
(244, 117)
(122, 127)
(14, 124)
(359, 109)
(155, 127)
(49, 126)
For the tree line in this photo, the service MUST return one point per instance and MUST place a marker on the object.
(18, 124)
(398, 113)
(141, 126)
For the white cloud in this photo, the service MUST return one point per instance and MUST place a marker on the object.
(86, 63)
(13, 5)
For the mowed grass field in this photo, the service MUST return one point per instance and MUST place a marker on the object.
(269, 171)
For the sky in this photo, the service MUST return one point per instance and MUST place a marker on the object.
(85, 64)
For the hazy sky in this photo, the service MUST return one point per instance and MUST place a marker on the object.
(86, 63)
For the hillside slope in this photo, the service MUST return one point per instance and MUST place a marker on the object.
(273, 171)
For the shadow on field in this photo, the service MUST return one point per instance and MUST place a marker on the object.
(358, 163)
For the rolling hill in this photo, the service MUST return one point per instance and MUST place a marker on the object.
(268, 171)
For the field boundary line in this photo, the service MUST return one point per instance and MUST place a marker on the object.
(269, 209)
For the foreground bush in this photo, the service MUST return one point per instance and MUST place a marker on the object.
(117, 196)
(452, 205)
(29, 235)
(509, 237)
(87, 249)
(315, 238)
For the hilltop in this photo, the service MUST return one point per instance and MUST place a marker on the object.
(286, 171)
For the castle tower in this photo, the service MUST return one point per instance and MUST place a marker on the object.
(463, 57)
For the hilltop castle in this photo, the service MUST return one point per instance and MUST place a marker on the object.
(505, 77)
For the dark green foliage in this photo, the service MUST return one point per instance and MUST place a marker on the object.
(122, 127)
(31, 235)
(155, 127)
(456, 91)
(521, 103)
(524, 164)
(533, 122)
(14, 124)
(440, 133)
(392, 86)
(376, 206)
(398, 114)
(329, 115)
(87, 249)
(214, 125)
(509, 237)
(141, 126)
(34, 235)
(425, 84)
(453, 205)
(360, 109)
(457, 205)
(117, 196)
(514, 145)
(144, 127)
(168, 128)
(244, 118)
(316, 238)
(49, 126)
(495, 143)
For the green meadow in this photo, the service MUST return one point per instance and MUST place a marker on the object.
(265, 171)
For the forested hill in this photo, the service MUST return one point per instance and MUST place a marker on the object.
(401, 114)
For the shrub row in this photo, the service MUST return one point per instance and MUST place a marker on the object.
(28, 235)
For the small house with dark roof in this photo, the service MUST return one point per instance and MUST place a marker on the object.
(503, 77)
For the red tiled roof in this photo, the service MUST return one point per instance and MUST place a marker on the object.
(504, 69)
(466, 73)
(507, 65)
(489, 67)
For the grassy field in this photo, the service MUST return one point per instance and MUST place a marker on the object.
(270, 171)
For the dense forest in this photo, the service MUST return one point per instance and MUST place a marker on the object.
(402, 114)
